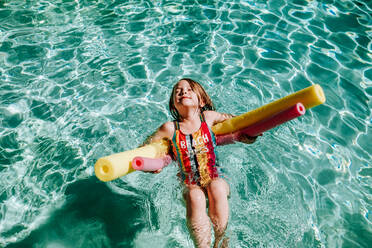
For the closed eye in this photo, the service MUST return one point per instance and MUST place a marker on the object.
(180, 90)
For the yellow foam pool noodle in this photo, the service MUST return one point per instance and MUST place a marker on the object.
(309, 97)
(119, 164)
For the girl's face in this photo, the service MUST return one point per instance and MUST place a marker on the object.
(185, 96)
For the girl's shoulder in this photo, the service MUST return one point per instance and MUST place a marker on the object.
(210, 116)
(164, 131)
(167, 129)
(214, 117)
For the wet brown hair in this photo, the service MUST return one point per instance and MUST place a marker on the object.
(203, 98)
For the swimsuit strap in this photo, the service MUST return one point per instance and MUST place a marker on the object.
(176, 125)
(202, 118)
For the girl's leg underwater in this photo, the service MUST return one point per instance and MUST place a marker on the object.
(197, 218)
(218, 190)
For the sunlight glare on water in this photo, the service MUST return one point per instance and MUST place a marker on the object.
(84, 79)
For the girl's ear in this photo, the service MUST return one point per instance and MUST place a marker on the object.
(201, 103)
(202, 106)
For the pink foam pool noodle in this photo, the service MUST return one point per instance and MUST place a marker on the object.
(150, 164)
(226, 139)
(264, 125)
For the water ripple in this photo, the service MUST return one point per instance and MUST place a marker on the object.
(79, 78)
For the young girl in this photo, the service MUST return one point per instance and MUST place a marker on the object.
(193, 146)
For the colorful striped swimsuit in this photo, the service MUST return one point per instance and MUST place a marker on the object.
(196, 155)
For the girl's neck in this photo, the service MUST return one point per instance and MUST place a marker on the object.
(190, 115)
(190, 123)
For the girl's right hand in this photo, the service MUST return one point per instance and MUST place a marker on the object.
(153, 172)
(157, 171)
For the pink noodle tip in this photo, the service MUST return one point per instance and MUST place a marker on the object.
(150, 164)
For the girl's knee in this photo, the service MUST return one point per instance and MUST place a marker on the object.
(219, 188)
(195, 199)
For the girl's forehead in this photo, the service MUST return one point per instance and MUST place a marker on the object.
(182, 83)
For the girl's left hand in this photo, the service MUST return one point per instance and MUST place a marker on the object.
(247, 139)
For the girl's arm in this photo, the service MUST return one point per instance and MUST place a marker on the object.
(213, 117)
(164, 131)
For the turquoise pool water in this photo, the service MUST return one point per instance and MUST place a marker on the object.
(84, 79)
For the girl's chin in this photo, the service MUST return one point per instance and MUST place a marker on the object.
(188, 104)
(186, 101)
